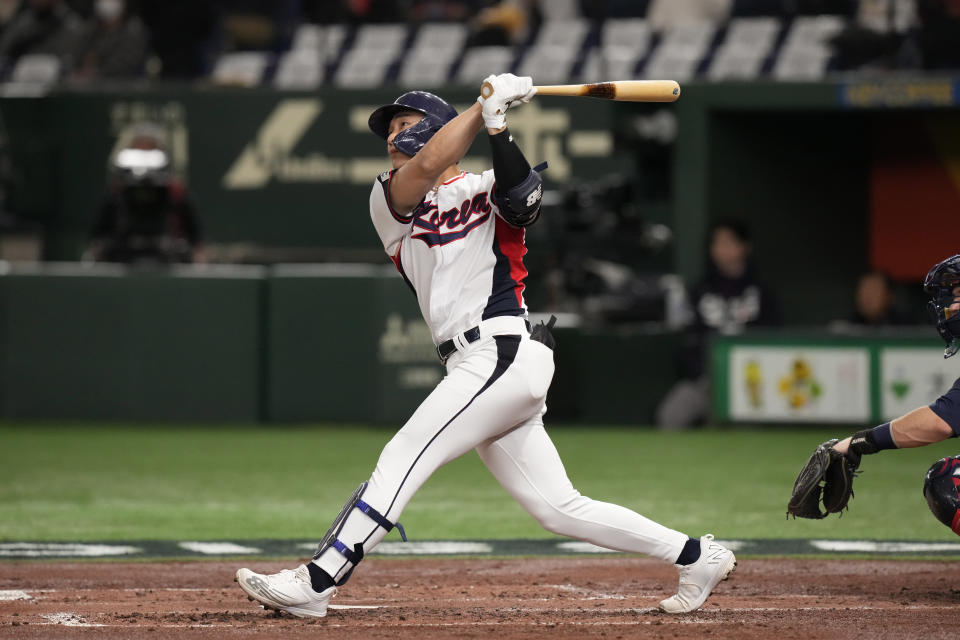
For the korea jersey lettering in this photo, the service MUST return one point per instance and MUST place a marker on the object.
(462, 260)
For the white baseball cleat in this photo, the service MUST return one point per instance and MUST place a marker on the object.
(698, 580)
(289, 590)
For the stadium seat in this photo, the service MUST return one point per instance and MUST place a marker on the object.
(434, 51)
(746, 46)
(36, 69)
(375, 48)
(559, 9)
(623, 44)
(557, 46)
(245, 69)
(328, 39)
(388, 38)
(806, 51)
(445, 37)
(479, 62)
(562, 33)
(425, 71)
(299, 69)
(680, 52)
(357, 70)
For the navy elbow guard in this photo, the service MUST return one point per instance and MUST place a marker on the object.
(520, 206)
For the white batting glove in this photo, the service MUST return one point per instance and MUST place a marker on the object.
(508, 90)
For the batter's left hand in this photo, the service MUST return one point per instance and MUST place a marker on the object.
(500, 92)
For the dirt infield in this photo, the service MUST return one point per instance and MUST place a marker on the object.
(610, 597)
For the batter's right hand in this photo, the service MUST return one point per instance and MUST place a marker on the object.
(500, 92)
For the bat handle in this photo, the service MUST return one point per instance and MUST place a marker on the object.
(486, 90)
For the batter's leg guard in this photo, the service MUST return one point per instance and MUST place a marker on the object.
(331, 539)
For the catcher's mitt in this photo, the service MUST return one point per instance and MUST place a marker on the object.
(827, 475)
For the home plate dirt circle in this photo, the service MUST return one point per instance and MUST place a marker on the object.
(571, 597)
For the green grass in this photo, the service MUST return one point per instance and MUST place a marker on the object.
(108, 482)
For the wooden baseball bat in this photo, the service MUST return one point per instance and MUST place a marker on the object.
(619, 90)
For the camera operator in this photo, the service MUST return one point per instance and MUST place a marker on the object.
(146, 216)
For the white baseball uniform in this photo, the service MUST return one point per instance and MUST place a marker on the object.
(465, 265)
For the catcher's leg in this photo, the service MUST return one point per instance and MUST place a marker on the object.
(526, 463)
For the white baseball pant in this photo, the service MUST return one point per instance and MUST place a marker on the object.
(493, 400)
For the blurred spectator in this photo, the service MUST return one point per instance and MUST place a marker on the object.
(504, 23)
(114, 43)
(8, 11)
(664, 14)
(183, 35)
(353, 11)
(939, 33)
(727, 300)
(146, 216)
(874, 303)
(42, 27)
(440, 10)
(877, 37)
(260, 25)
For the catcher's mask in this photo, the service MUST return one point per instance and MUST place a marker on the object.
(940, 488)
(436, 113)
(942, 284)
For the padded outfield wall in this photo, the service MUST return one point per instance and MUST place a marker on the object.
(289, 343)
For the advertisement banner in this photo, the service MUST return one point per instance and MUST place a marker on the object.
(799, 384)
(911, 378)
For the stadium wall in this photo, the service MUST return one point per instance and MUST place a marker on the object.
(290, 343)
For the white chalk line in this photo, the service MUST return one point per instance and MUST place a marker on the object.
(590, 594)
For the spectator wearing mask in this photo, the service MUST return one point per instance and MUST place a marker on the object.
(114, 43)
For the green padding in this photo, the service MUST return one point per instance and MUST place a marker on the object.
(130, 347)
(346, 343)
(622, 375)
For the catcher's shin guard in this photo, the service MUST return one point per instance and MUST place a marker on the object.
(331, 539)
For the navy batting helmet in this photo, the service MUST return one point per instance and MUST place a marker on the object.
(941, 284)
(436, 113)
(940, 487)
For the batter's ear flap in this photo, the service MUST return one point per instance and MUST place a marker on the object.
(412, 139)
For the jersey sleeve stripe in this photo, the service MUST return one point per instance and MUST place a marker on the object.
(386, 196)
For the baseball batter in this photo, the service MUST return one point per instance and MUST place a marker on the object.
(828, 475)
(457, 239)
